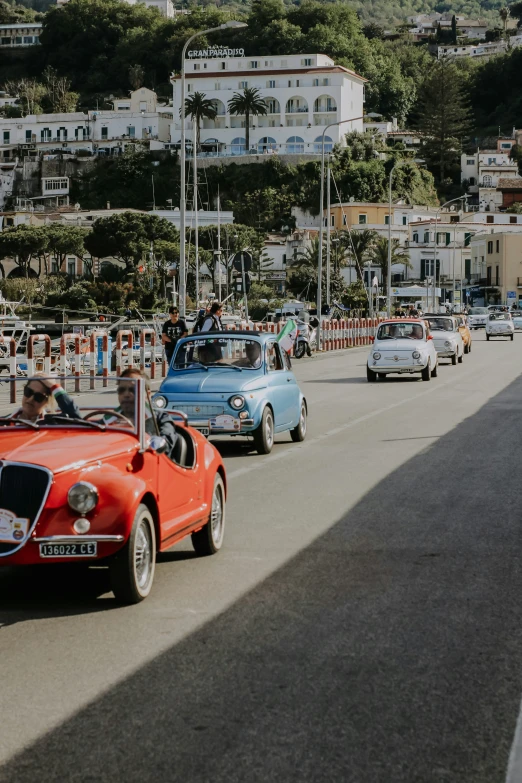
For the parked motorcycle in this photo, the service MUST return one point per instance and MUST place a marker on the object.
(306, 339)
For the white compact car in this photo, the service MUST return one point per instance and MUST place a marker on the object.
(517, 320)
(447, 337)
(403, 346)
(500, 325)
(477, 317)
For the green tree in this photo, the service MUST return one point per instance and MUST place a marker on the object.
(136, 76)
(58, 93)
(61, 241)
(454, 29)
(379, 256)
(22, 244)
(515, 209)
(445, 117)
(249, 103)
(359, 245)
(198, 108)
(127, 237)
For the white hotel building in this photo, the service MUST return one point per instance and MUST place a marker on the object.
(303, 93)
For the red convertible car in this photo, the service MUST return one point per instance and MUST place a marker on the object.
(100, 489)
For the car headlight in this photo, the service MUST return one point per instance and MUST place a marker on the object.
(416, 355)
(82, 497)
(236, 402)
(377, 355)
(447, 344)
(160, 402)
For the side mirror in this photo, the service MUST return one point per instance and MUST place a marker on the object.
(158, 444)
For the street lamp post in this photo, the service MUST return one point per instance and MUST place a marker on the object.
(388, 271)
(182, 198)
(437, 213)
(321, 225)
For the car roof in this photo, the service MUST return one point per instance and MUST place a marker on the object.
(230, 333)
(406, 320)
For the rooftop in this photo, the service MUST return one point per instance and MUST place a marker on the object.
(513, 183)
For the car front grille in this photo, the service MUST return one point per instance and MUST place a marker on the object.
(23, 489)
(198, 410)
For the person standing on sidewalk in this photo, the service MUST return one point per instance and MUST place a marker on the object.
(173, 330)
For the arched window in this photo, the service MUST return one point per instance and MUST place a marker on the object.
(238, 146)
(324, 104)
(272, 106)
(487, 181)
(415, 237)
(296, 105)
(266, 143)
(219, 107)
(328, 144)
(294, 145)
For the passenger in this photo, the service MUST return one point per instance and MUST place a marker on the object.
(41, 396)
(252, 358)
(416, 332)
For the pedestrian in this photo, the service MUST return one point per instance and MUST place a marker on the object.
(212, 322)
(200, 320)
(173, 330)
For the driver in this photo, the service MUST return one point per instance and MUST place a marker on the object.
(126, 399)
(41, 395)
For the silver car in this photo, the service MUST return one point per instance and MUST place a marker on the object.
(477, 317)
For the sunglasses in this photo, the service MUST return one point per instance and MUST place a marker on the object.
(123, 389)
(38, 396)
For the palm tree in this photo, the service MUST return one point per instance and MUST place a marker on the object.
(504, 15)
(360, 244)
(198, 107)
(249, 102)
(379, 256)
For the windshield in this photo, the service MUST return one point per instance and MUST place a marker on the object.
(237, 352)
(47, 401)
(402, 330)
(478, 311)
(500, 317)
(441, 324)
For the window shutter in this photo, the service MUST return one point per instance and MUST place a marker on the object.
(423, 269)
(448, 238)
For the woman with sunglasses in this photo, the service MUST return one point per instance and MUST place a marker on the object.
(41, 396)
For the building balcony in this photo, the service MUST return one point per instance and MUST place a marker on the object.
(295, 110)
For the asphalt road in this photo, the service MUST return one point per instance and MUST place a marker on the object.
(362, 624)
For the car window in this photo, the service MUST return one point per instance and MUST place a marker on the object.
(478, 310)
(500, 317)
(400, 330)
(273, 357)
(441, 324)
(222, 351)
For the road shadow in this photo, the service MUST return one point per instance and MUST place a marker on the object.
(240, 447)
(387, 651)
(37, 592)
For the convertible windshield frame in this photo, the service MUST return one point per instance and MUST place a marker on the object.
(205, 351)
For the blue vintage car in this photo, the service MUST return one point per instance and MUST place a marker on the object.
(235, 383)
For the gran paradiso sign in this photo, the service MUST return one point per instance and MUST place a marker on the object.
(215, 51)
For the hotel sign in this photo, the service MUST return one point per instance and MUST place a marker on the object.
(215, 51)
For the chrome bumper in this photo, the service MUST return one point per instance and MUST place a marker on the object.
(77, 539)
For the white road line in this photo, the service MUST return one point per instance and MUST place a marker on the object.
(258, 464)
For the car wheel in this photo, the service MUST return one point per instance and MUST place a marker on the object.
(298, 434)
(487, 337)
(454, 359)
(382, 376)
(264, 434)
(300, 350)
(426, 373)
(466, 349)
(512, 336)
(371, 376)
(132, 570)
(469, 348)
(435, 371)
(461, 358)
(209, 539)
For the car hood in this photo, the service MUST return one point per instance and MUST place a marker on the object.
(440, 334)
(213, 382)
(60, 449)
(398, 345)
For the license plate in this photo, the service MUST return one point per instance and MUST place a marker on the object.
(225, 422)
(204, 430)
(83, 549)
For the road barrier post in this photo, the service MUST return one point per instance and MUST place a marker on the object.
(64, 341)
(95, 336)
(143, 346)
(11, 342)
(37, 338)
(127, 334)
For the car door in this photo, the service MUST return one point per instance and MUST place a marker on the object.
(279, 385)
(179, 497)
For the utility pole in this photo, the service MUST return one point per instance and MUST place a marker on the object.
(328, 232)
(219, 247)
(196, 227)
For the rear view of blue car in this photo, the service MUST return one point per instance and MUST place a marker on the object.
(235, 383)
